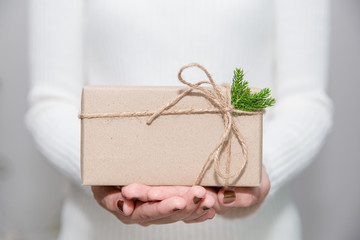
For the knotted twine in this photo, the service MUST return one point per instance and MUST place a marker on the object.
(222, 105)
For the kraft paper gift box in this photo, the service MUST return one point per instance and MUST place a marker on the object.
(118, 148)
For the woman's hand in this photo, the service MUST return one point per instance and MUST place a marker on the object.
(145, 205)
(245, 199)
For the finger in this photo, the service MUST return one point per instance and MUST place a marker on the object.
(210, 214)
(219, 208)
(150, 211)
(203, 208)
(112, 200)
(136, 191)
(162, 192)
(191, 199)
(194, 197)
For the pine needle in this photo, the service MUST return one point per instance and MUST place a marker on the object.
(242, 99)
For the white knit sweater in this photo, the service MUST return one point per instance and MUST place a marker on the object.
(281, 44)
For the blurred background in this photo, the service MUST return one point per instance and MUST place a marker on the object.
(327, 193)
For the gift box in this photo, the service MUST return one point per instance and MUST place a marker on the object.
(168, 136)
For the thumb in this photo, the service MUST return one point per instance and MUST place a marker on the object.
(245, 196)
(238, 196)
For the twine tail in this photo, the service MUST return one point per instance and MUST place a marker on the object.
(203, 168)
(228, 162)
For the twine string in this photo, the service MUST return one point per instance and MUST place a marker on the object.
(222, 104)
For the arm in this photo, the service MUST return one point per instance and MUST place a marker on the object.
(299, 123)
(56, 57)
(56, 73)
(295, 129)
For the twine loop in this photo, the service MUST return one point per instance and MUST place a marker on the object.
(223, 103)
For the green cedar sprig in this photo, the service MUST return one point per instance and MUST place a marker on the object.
(242, 99)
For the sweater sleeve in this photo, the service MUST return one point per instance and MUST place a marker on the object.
(297, 126)
(295, 129)
(56, 73)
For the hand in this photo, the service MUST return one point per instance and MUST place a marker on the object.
(244, 199)
(145, 205)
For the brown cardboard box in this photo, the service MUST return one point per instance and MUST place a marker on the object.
(169, 151)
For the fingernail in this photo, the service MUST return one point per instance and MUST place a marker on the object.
(229, 196)
(205, 208)
(196, 200)
(120, 205)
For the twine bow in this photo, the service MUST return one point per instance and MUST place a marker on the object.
(222, 105)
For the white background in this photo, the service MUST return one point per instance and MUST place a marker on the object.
(327, 193)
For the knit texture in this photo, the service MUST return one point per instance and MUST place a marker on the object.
(281, 44)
